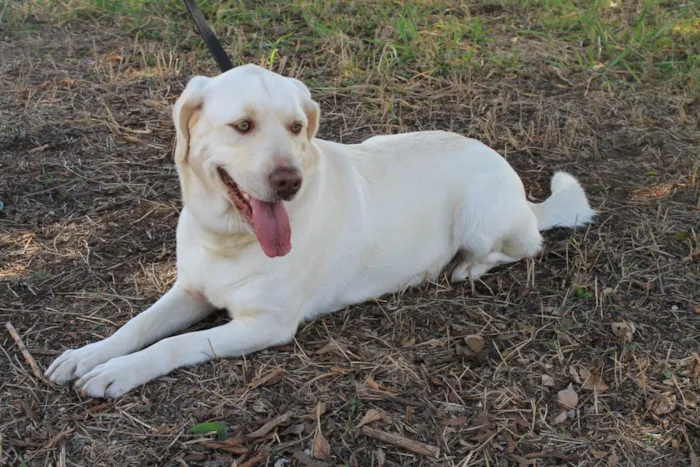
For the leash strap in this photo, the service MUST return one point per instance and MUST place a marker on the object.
(213, 44)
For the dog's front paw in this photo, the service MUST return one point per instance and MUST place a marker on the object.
(116, 377)
(78, 362)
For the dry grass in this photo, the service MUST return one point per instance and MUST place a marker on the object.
(87, 241)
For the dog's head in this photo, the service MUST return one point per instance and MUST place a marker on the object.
(246, 135)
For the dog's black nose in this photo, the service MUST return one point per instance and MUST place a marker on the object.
(285, 182)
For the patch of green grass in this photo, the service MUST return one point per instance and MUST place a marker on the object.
(644, 37)
(630, 41)
(582, 293)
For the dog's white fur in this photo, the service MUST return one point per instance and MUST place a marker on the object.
(370, 219)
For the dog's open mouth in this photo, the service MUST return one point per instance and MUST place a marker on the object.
(269, 219)
(240, 198)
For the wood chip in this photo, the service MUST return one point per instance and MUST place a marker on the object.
(268, 379)
(624, 330)
(38, 149)
(372, 384)
(454, 421)
(259, 457)
(233, 448)
(271, 425)
(306, 460)
(402, 442)
(662, 404)
(134, 140)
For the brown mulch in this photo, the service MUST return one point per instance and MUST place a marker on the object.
(87, 236)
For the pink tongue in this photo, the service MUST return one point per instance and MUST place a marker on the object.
(272, 227)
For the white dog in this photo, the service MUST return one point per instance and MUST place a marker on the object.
(279, 227)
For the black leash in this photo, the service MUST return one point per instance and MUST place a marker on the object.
(213, 44)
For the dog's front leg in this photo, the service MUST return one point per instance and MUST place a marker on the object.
(238, 337)
(174, 311)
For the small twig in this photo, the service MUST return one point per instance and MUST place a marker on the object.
(402, 442)
(25, 353)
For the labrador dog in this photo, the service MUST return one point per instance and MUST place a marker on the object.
(278, 226)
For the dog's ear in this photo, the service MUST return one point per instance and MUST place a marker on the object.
(189, 102)
(311, 108)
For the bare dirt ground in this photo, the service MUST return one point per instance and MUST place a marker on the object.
(87, 235)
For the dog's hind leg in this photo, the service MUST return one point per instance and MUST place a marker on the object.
(480, 265)
(174, 311)
(521, 240)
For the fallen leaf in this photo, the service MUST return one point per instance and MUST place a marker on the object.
(568, 397)
(691, 399)
(675, 443)
(697, 309)
(657, 191)
(593, 382)
(372, 415)
(613, 460)
(624, 330)
(321, 448)
(662, 404)
(547, 380)
(559, 419)
(598, 454)
(694, 460)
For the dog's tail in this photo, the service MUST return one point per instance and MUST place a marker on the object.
(567, 206)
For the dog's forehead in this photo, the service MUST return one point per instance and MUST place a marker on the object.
(251, 91)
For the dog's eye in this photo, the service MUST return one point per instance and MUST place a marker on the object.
(244, 126)
(296, 127)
